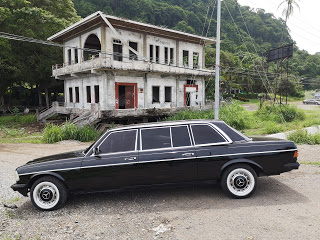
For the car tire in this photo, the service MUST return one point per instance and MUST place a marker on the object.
(48, 193)
(239, 181)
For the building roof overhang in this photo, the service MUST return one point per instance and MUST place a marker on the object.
(130, 25)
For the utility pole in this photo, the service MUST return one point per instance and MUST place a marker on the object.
(217, 79)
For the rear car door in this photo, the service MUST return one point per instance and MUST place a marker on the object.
(211, 146)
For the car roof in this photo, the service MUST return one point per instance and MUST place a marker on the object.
(165, 123)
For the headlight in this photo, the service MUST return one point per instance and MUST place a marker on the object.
(16, 175)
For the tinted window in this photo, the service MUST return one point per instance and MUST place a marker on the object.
(180, 136)
(204, 134)
(119, 142)
(229, 131)
(156, 138)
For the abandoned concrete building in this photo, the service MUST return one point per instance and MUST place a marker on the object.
(120, 67)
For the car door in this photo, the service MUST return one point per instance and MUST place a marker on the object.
(211, 146)
(116, 165)
(167, 155)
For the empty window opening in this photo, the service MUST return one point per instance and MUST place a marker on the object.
(126, 96)
(117, 50)
(188, 95)
(77, 94)
(70, 95)
(88, 94)
(96, 94)
(151, 53)
(185, 57)
(76, 60)
(191, 82)
(166, 55)
(195, 60)
(157, 54)
(171, 56)
(155, 94)
(69, 56)
(167, 94)
(93, 43)
(132, 55)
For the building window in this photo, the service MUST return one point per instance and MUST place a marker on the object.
(77, 94)
(151, 53)
(132, 55)
(117, 50)
(70, 95)
(88, 94)
(167, 94)
(157, 54)
(195, 60)
(155, 94)
(166, 55)
(69, 56)
(171, 56)
(185, 57)
(96, 94)
(76, 55)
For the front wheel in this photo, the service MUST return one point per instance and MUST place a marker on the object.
(48, 193)
(239, 181)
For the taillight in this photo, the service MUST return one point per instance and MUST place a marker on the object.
(296, 154)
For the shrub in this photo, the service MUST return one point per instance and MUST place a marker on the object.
(272, 127)
(303, 137)
(53, 133)
(233, 114)
(274, 112)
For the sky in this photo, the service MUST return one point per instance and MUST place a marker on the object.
(304, 24)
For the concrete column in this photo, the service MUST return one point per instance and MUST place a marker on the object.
(103, 38)
(145, 46)
(203, 56)
(177, 54)
(177, 91)
(145, 90)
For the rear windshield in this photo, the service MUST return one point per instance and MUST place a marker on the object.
(232, 133)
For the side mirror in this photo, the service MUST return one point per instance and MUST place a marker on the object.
(96, 151)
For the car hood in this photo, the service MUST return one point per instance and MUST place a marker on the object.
(55, 157)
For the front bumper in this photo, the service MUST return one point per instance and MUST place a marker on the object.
(291, 166)
(21, 188)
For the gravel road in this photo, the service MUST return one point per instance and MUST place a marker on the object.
(283, 207)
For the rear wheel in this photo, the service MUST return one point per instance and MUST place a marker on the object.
(239, 181)
(48, 193)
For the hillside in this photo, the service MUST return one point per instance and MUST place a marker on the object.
(189, 16)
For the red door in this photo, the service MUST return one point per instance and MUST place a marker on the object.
(129, 96)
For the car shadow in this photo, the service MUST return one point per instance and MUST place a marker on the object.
(269, 192)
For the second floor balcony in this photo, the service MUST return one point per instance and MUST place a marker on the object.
(104, 62)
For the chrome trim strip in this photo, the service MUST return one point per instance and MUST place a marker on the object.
(175, 159)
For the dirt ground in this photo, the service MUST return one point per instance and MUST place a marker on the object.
(283, 207)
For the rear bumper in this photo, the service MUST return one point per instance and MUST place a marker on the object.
(21, 188)
(291, 166)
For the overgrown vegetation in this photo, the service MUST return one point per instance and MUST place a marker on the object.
(303, 137)
(54, 133)
(17, 119)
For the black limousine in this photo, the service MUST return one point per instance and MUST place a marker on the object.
(157, 154)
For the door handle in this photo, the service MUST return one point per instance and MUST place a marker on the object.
(187, 154)
(130, 158)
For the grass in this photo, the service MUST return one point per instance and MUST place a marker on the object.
(303, 137)
(311, 163)
(17, 119)
(54, 133)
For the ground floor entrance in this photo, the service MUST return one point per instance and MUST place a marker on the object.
(126, 95)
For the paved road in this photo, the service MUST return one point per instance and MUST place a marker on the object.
(283, 207)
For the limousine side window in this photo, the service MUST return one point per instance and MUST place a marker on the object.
(180, 136)
(119, 142)
(204, 134)
(153, 138)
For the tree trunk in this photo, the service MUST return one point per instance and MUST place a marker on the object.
(47, 97)
(39, 96)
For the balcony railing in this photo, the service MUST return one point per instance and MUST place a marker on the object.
(103, 62)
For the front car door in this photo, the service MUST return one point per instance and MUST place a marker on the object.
(167, 155)
(116, 165)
